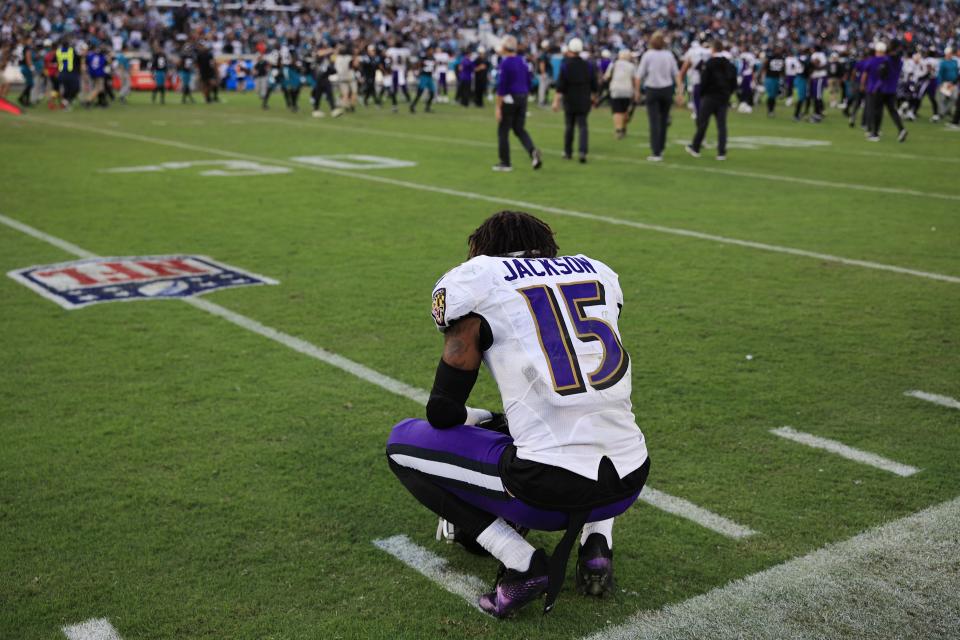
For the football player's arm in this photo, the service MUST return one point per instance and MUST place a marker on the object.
(456, 374)
(682, 72)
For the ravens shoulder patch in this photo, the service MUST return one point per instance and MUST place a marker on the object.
(440, 306)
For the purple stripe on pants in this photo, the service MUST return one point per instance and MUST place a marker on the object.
(817, 87)
(482, 449)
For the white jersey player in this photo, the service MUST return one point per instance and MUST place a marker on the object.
(747, 64)
(570, 454)
(793, 66)
(693, 61)
(556, 356)
(442, 59)
(694, 57)
(286, 57)
(399, 57)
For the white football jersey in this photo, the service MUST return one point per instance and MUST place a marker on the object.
(398, 57)
(819, 60)
(747, 63)
(443, 59)
(908, 70)
(556, 356)
(794, 67)
(697, 55)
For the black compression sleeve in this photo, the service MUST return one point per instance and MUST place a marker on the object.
(448, 398)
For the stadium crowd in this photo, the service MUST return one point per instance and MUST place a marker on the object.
(880, 55)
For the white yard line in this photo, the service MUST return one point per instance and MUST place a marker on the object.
(900, 156)
(866, 264)
(367, 374)
(699, 515)
(92, 629)
(638, 161)
(302, 346)
(943, 401)
(842, 450)
(817, 183)
(898, 580)
(433, 567)
(46, 237)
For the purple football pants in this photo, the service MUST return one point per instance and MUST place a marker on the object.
(455, 473)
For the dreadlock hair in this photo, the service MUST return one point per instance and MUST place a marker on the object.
(507, 232)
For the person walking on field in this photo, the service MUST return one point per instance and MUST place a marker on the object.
(577, 89)
(619, 77)
(882, 73)
(513, 88)
(717, 82)
(656, 75)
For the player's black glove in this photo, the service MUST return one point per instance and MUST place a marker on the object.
(497, 422)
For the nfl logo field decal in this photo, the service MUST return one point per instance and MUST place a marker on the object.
(80, 283)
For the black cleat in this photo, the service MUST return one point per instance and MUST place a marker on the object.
(594, 575)
(514, 589)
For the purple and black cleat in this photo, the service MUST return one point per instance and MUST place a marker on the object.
(515, 589)
(595, 566)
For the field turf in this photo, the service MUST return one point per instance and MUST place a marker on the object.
(186, 478)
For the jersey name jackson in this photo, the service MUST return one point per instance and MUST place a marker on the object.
(529, 267)
(556, 356)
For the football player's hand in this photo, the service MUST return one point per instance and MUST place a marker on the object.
(499, 114)
(498, 423)
(476, 416)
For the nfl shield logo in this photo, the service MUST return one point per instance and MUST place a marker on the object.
(80, 283)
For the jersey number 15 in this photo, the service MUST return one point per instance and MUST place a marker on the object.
(554, 334)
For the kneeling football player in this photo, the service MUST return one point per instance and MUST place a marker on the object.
(568, 454)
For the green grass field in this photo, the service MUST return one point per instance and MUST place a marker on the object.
(187, 478)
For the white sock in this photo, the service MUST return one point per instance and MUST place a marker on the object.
(506, 545)
(601, 526)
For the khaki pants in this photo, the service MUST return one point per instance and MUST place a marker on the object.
(96, 88)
